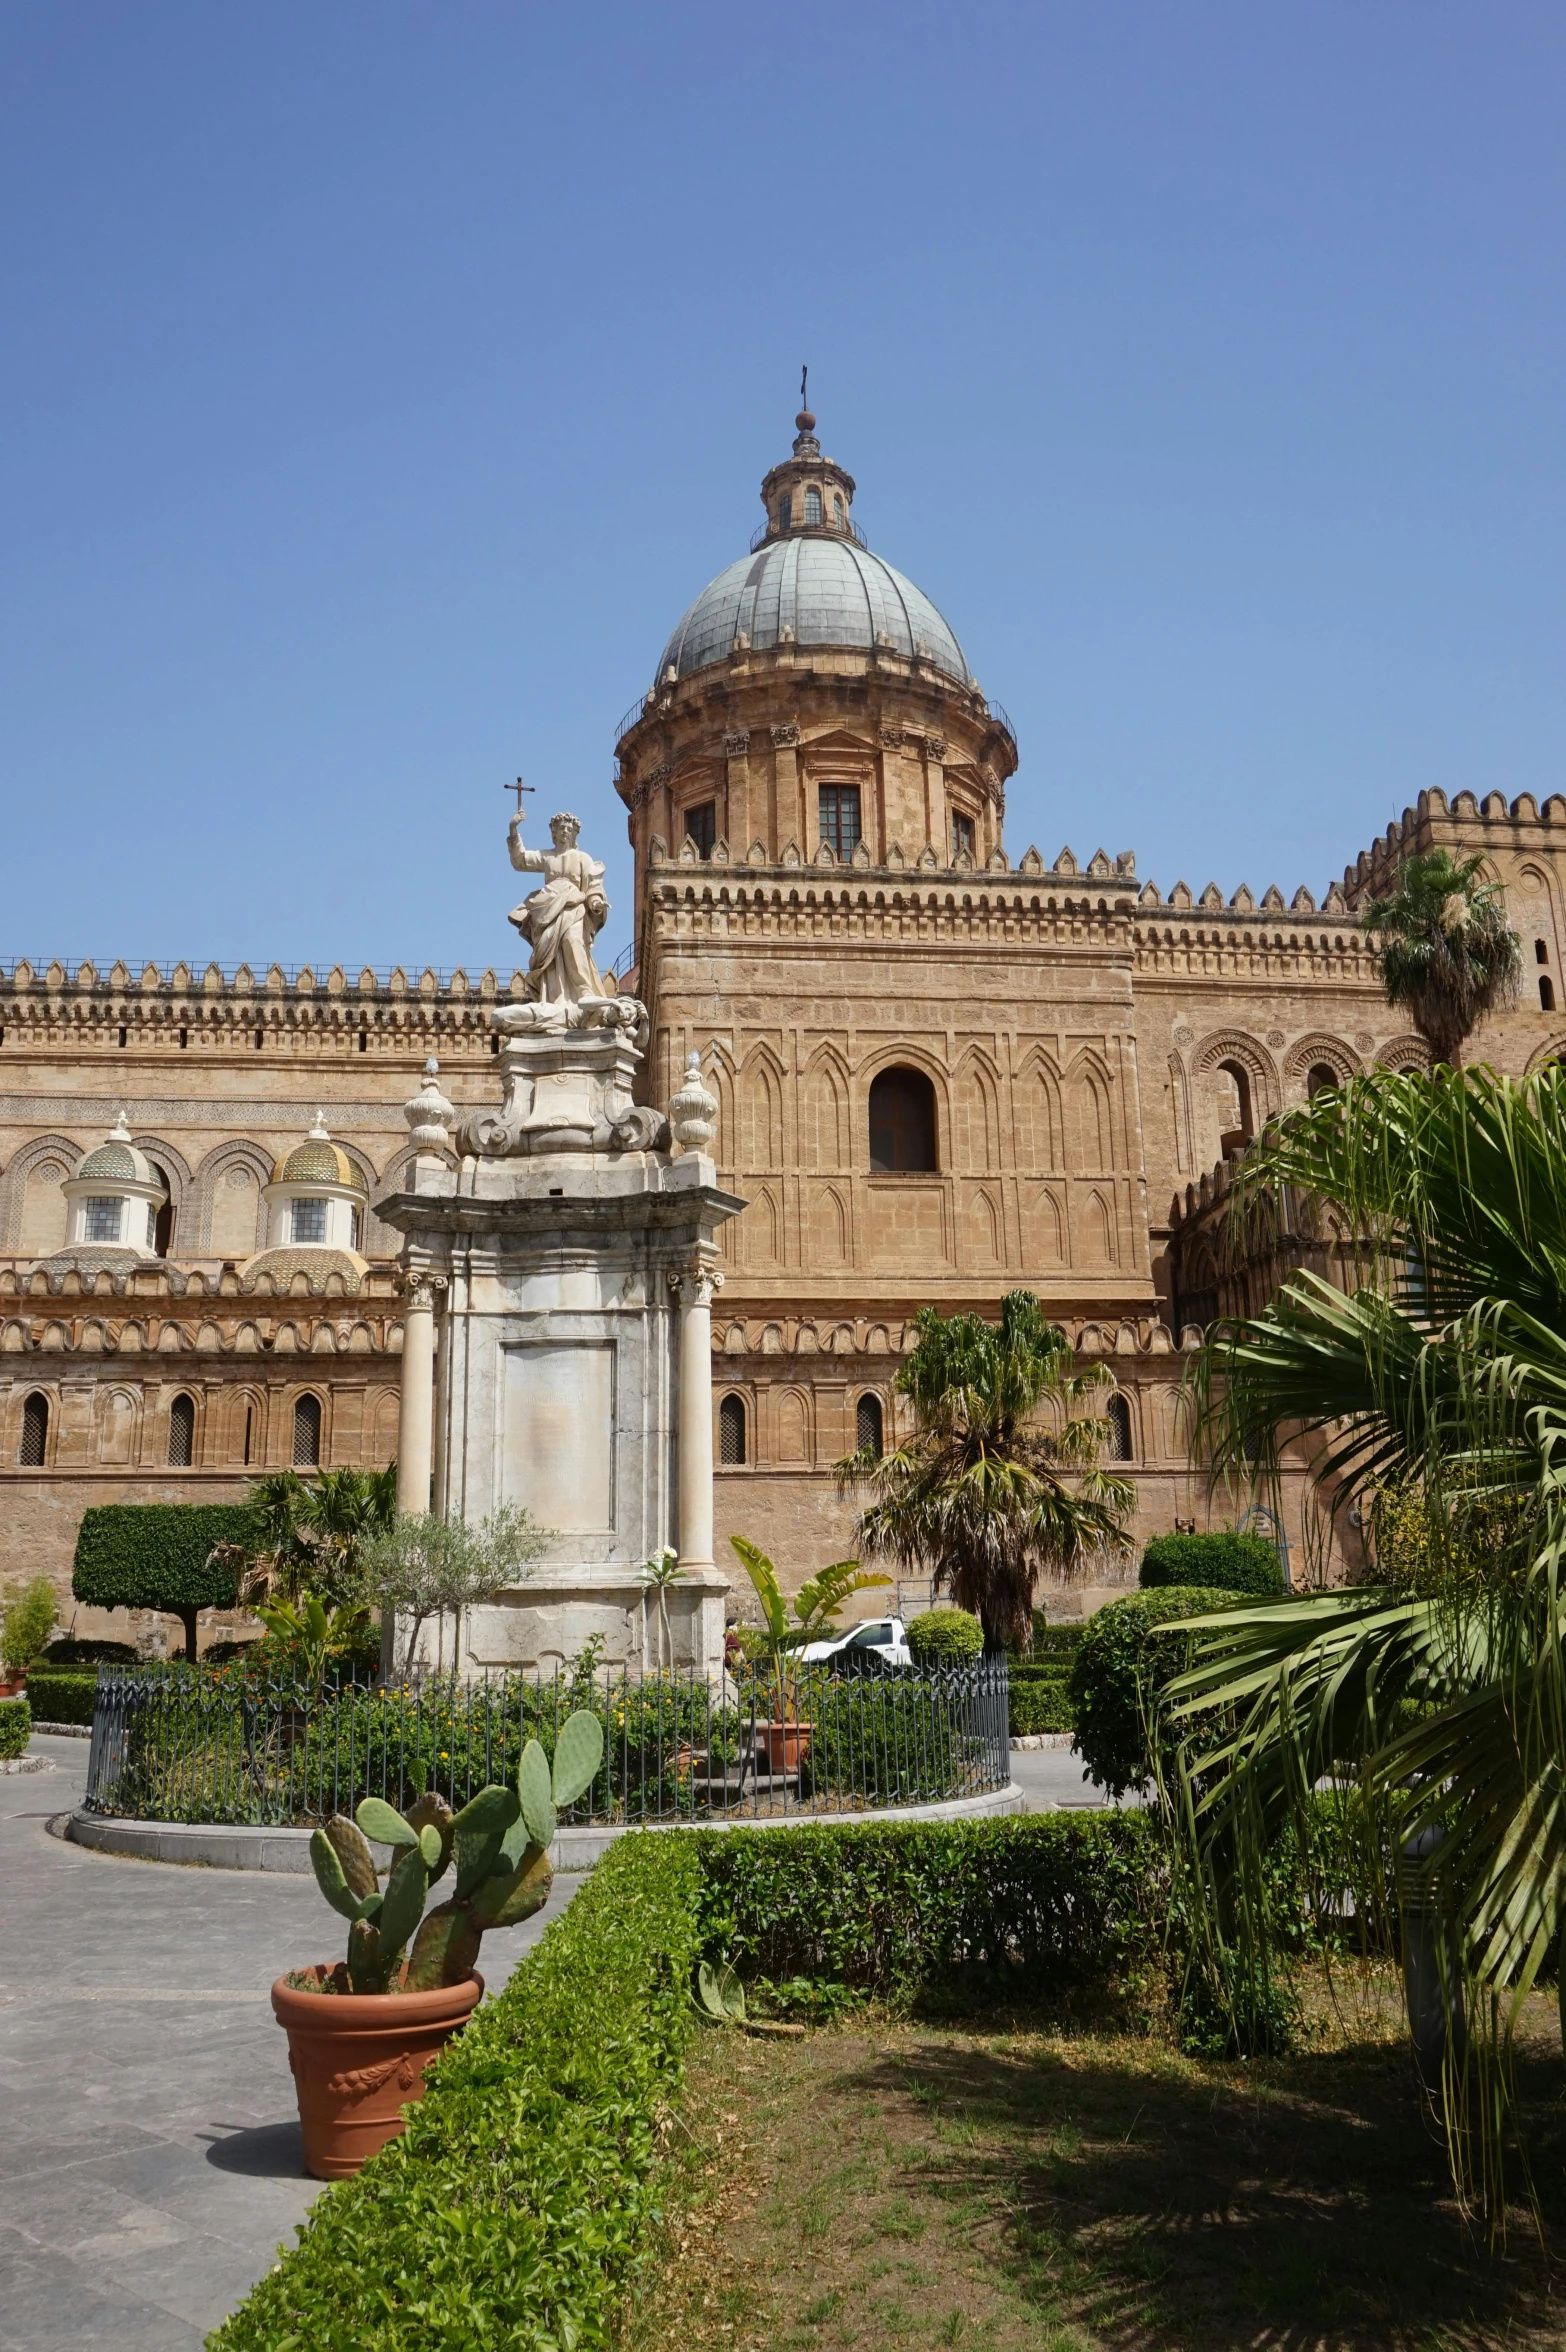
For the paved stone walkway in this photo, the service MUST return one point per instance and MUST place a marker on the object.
(149, 2144)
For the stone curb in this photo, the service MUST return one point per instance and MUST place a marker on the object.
(28, 1764)
(1042, 1739)
(210, 1846)
(63, 1730)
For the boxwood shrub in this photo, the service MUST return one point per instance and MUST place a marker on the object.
(1033, 1903)
(944, 1637)
(16, 1728)
(62, 1694)
(1224, 1561)
(516, 2206)
(1123, 1661)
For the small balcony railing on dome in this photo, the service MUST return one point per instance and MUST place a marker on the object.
(633, 716)
(849, 530)
(999, 713)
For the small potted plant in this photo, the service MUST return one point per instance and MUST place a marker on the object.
(786, 1736)
(24, 1633)
(361, 2033)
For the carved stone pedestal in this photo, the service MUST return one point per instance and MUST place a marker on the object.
(574, 1375)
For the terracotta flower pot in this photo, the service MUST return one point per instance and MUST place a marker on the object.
(786, 1743)
(13, 1685)
(358, 2060)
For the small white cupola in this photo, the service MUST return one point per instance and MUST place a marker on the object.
(114, 1198)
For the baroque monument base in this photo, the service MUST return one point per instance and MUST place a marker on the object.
(576, 1256)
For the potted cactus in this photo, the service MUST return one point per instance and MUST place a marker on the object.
(361, 2033)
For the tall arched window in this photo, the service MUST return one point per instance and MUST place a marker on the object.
(868, 1426)
(35, 1432)
(182, 1433)
(902, 1124)
(1238, 1107)
(1546, 993)
(1118, 1414)
(837, 510)
(307, 1433)
(1319, 1077)
(731, 1430)
(812, 505)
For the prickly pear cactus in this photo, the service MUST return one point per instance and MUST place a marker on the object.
(498, 1844)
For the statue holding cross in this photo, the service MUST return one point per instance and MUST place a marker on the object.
(561, 921)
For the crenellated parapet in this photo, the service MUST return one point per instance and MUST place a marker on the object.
(1492, 824)
(388, 1011)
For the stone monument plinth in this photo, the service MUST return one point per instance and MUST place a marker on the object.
(557, 1335)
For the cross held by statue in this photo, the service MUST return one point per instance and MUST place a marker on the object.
(519, 788)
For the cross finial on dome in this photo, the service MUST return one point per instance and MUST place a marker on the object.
(804, 422)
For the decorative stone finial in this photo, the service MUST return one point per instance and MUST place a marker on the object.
(693, 1112)
(120, 1131)
(318, 1132)
(428, 1113)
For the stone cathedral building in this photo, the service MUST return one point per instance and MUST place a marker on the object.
(945, 1064)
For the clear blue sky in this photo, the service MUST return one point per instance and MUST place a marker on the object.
(381, 382)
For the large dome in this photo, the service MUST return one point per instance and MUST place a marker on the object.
(825, 591)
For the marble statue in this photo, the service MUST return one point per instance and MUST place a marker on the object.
(561, 921)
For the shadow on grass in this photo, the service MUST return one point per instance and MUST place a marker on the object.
(1303, 2205)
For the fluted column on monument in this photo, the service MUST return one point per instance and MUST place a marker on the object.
(694, 1287)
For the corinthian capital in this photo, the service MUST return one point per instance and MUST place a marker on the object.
(695, 1286)
(420, 1287)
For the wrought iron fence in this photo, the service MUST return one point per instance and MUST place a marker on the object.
(176, 1744)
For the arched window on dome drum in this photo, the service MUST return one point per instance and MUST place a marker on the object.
(355, 1228)
(869, 1428)
(1318, 1078)
(160, 1218)
(701, 827)
(962, 834)
(902, 1124)
(309, 1220)
(785, 510)
(731, 1430)
(1118, 1414)
(812, 505)
(307, 1433)
(182, 1433)
(837, 510)
(35, 1432)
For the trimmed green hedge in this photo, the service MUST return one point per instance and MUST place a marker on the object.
(1034, 1903)
(1041, 1702)
(516, 2206)
(943, 1637)
(61, 1694)
(155, 1556)
(16, 1728)
(1224, 1561)
(67, 1652)
(1122, 1663)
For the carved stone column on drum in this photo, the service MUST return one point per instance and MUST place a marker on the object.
(416, 1406)
(694, 1287)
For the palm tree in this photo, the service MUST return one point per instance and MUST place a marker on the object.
(1445, 949)
(310, 1534)
(984, 1495)
(1440, 1382)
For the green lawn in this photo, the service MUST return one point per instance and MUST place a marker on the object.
(890, 2183)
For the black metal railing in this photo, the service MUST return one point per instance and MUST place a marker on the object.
(177, 1744)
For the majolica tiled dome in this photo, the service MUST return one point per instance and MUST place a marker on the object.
(316, 1161)
(116, 1160)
